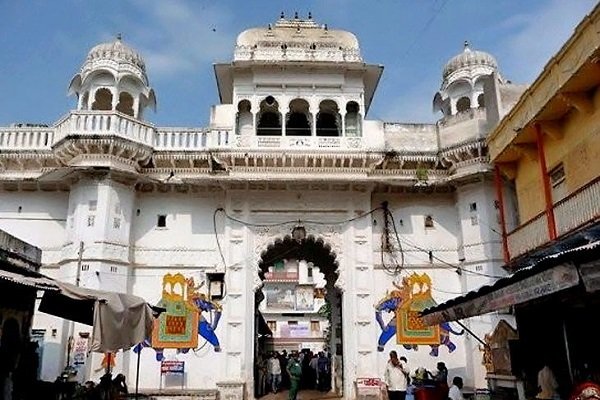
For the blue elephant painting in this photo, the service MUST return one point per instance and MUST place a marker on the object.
(406, 302)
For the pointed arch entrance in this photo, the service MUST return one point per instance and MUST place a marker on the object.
(298, 308)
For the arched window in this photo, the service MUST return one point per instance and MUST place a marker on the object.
(297, 120)
(353, 119)
(481, 101)
(328, 119)
(125, 103)
(102, 100)
(244, 118)
(463, 104)
(269, 119)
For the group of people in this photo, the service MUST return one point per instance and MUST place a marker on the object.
(397, 378)
(107, 389)
(296, 371)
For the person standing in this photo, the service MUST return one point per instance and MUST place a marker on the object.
(547, 384)
(275, 369)
(294, 370)
(395, 378)
(455, 392)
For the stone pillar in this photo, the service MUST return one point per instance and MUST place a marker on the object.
(313, 125)
(98, 226)
(237, 370)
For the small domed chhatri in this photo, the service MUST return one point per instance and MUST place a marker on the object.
(113, 77)
(117, 55)
(463, 77)
(296, 39)
(469, 59)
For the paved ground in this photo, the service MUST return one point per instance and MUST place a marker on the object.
(303, 395)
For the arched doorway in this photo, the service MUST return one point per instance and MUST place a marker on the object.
(298, 310)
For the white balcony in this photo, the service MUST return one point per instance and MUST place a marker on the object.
(104, 123)
(574, 211)
(26, 138)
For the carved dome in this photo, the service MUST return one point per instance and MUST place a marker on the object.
(296, 40)
(117, 57)
(468, 59)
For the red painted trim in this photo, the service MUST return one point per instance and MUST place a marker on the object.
(500, 198)
(539, 139)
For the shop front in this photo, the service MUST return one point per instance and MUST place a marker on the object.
(555, 301)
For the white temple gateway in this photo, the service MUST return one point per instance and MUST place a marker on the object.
(395, 215)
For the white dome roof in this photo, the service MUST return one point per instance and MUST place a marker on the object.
(297, 40)
(117, 57)
(467, 59)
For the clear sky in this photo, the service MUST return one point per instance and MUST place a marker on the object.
(44, 42)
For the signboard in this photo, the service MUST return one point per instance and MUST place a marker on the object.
(280, 297)
(305, 298)
(541, 284)
(299, 331)
(368, 386)
(172, 367)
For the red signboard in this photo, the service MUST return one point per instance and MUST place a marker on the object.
(172, 367)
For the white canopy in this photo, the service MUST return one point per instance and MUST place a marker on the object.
(119, 320)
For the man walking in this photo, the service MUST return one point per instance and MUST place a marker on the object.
(294, 370)
(275, 370)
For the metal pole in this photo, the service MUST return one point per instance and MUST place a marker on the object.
(567, 352)
(72, 323)
(470, 332)
(137, 373)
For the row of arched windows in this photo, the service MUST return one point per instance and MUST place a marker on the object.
(103, 100)
(298, 121)
(464, 103)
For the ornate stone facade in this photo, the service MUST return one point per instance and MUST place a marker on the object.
(147, 200)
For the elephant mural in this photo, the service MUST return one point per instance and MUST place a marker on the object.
(406, 302)
(184, 319)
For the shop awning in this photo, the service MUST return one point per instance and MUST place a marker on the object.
(29, 279)
(550, 275)
(119, 320)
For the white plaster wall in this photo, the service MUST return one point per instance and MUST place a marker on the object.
(41, 222)
(462, 131)
(187, 240)
(411, 137)
(409, 212)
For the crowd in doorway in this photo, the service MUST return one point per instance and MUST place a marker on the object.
(295, 371)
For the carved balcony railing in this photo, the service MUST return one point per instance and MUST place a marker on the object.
(189, 139)
(528, 236)
(579, 208)
(104, 123)
(576, 210)
(26, 138)
(299, 142)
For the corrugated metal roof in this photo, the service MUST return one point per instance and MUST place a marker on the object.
(543, 264)
(39, 282)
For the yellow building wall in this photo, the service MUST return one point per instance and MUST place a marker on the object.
(578, 150)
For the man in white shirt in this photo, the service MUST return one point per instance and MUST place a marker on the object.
(455, 391)
(275, 370)
(395, 378)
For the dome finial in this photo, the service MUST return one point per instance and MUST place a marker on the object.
(296, 15)
(119, 36)
(309, 15)
(282, 15)
(466, 44)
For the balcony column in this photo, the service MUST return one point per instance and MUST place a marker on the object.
(115, 98)
(313, 126)
(343, 117)
(539, 138)
(500, 198)
(254, 113)
(284, 114)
